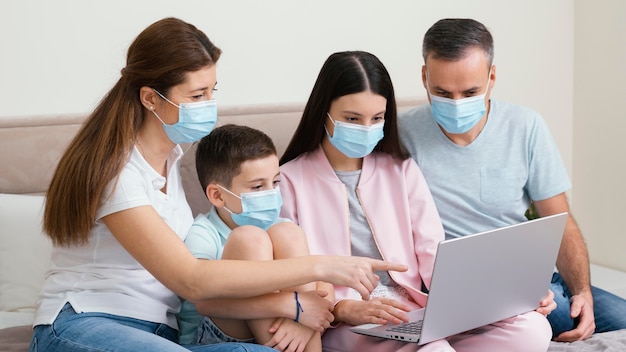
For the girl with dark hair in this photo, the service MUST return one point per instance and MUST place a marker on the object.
(117, 214)
(348, 183)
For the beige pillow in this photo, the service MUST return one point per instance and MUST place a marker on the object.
(24, 251)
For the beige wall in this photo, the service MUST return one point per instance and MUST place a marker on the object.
(599, 126)
(61, 56)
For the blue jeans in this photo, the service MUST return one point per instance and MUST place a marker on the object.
(209, 333)
(609, 310)
(72, 332)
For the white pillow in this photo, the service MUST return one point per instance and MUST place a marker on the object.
(24, 251)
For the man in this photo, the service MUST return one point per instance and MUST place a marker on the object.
(486, 161)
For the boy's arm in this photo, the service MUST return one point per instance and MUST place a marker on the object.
(315, 314)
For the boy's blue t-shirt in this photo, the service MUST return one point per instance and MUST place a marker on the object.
(206, 239)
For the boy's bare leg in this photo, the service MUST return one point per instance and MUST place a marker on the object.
(315, 343)
(284, 240)
(289, 241)
(247, 243)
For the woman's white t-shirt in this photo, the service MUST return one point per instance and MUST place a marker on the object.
(101, 276)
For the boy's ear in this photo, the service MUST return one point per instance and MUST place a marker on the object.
(214, 194)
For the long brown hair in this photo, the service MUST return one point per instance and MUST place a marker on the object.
(159, 57)
(345, 73)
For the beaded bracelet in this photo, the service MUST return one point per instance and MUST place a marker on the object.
(298, 307)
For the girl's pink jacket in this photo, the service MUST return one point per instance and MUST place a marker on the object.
(397, 204)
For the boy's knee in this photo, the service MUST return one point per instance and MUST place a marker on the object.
(249, 237)
(286, 230)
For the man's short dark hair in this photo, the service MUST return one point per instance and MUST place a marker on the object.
(449, 39)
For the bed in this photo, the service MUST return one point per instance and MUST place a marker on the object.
(31, 146)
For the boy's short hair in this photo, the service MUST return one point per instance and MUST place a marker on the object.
(220, 154)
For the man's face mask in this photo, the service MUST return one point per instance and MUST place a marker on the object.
(460, 115)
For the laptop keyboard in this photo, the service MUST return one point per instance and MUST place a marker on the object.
(408, 328)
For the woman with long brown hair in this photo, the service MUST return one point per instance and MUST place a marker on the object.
(117, 214)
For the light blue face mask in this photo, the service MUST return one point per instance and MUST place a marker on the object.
(195, 120)
(353, 140)
(460, 115)
(259, 209)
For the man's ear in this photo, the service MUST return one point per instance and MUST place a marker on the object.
(214, 194)
(492, 76)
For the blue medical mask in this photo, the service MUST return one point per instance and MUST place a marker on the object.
(259, 209)
(460, 115)
(354, 140)
(195, 120)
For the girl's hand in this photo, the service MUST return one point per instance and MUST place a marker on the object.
(375, 311)
(547, 304)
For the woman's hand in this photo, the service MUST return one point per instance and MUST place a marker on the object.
(375, 311)
(354, 272)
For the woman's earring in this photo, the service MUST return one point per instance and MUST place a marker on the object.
(151, 108)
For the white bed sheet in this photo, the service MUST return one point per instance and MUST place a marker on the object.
(10, 319)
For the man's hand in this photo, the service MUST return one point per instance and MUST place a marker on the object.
(581, 309)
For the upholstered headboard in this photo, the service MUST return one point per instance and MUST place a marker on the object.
(32, 145)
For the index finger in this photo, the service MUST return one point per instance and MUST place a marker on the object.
(382, 265)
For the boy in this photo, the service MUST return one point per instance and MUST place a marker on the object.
(238, 169)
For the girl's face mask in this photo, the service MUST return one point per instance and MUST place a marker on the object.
(353, 140)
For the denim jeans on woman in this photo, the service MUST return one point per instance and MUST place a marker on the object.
(72, 332)
(609, 310)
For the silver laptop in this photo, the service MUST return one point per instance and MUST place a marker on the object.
(481, 279)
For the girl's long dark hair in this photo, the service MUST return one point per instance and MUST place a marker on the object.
(344, 73)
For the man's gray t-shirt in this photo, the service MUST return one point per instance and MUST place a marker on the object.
(490, 182)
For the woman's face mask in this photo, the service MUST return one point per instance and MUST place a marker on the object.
(195, 120)
(259, 209)
(353, 140)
